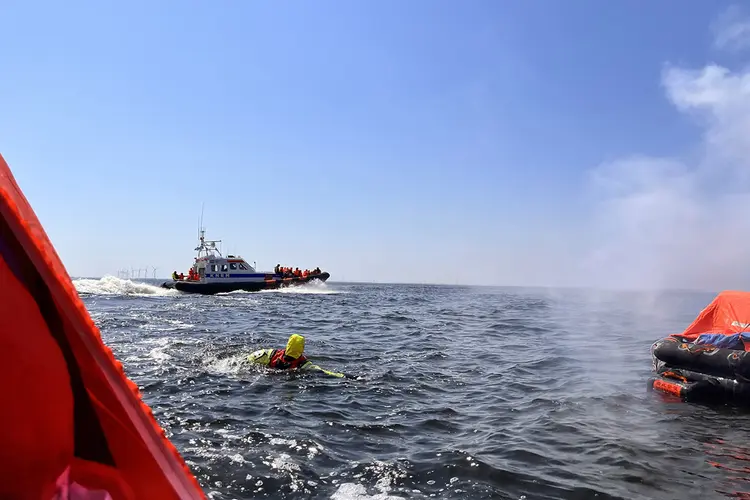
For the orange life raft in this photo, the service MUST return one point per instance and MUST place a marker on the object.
(72, 424)
(710, 360)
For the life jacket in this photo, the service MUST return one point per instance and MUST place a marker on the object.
(72, 419)
(278, 361)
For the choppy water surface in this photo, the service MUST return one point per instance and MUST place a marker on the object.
(463, 392)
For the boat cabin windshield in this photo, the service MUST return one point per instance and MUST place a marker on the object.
(228, 266)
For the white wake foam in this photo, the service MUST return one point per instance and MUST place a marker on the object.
(312, 287)
(110, 285)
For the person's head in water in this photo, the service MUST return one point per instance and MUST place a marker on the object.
(295, 347)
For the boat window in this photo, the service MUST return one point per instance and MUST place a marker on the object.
(224, 268)
(213, 268)
(243, 266)
(233, 266)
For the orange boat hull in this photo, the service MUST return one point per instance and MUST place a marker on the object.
(70, 416)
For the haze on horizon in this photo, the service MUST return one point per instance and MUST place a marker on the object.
(506, 143)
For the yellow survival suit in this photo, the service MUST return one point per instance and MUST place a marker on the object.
(290, 358)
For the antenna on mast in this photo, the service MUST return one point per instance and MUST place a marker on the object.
(205, 247)
(200, 224)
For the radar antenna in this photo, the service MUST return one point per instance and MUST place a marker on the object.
(206, 248)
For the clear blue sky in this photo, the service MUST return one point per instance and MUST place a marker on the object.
(420, 140)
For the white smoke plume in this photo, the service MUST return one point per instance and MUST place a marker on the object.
(683, 222)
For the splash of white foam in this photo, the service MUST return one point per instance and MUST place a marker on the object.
(387, 475)
(351, 491)
(111, 285)
(159, 353)
(231, 365)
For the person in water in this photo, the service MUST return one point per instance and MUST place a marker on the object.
(290, 358)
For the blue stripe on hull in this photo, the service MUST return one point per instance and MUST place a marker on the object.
(236, 276)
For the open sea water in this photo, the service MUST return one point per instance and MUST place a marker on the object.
(463, 392)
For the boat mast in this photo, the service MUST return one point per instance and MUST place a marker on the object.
(206, 247)
(201, 229)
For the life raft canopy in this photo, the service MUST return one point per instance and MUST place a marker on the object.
(725, 322)
(710, 360)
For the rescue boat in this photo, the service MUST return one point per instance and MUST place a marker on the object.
(73, 425)
(710, 360)
(214, 273)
